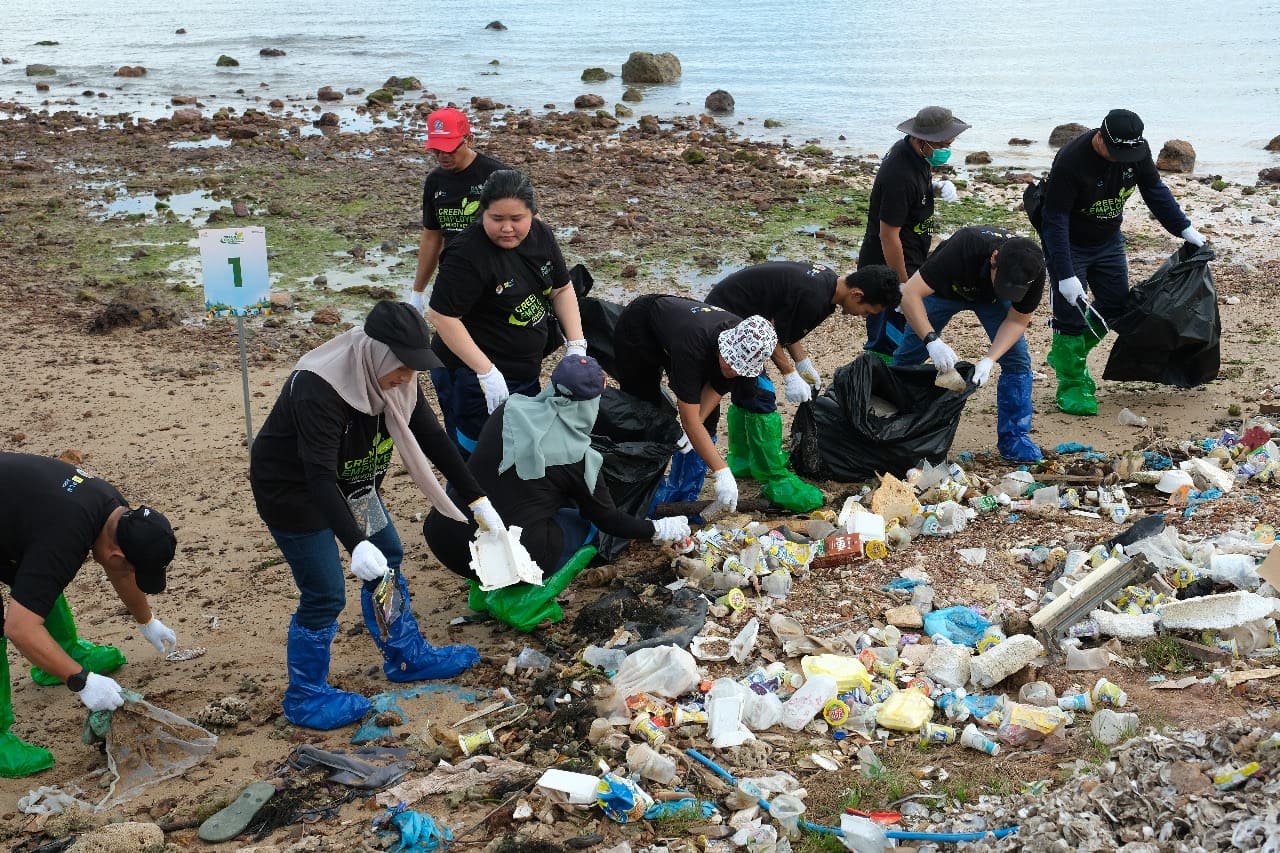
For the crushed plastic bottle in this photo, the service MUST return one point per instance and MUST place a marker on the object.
(1128, 418)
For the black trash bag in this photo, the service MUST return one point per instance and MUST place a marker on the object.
(838, 437)
(1033, 203)
(1170, 331)
(636, 440)
(599, 319)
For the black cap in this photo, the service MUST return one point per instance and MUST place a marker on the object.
(400, 326)
(1019, 264)
(578, 377)
(1122, 133)
(146, 538)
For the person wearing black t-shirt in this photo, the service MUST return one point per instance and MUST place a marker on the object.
(900, 215)
(796, 298)
(703, 350)
(535, 461)
(53, 515)
(450, 194)
(1091, 179)
(500, 283)
(315, 469)
(1000, 278)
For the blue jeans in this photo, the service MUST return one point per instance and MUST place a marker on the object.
(991, 314)
(1104, 272)
(463, 405)
(886, 332)
(317, 570)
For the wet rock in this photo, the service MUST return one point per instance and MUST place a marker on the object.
(693, 156)
(1018, 140)
(380, 97)
(587, 102)
(977, 158)
(622, 111)
(276, 104)
(320, 281)
(483, 104)
(1177, 155)
(1271, 176)
(495, 25)
(132, 308)
(132, 837)
(326, 316)
(38, 70)
(404, 84)
(649, 124)
(643, 67)
(327, 120)
(633, 95)
(271, 51)
(225, 61)
(1273, 145)
(281, 300)
(240, 208)
(1064, 133)
(772, 123)
(42, 87)
(595, 75)
(355, 90)
(183, 100)
(328, 93)
(131, 71)
(242, 132)
(604, 120)
(357, 252)
(719, 102)
(630, 271)
(185, 117)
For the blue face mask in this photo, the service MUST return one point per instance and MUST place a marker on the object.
(939, 156)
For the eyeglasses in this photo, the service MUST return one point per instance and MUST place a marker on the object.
(1118, 141)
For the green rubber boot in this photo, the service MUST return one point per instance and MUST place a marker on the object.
(17, 757)
(62, 627)
(739, 453)
(1076, 387)
(769, 465)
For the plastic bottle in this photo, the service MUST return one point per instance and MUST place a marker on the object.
(806, 703)
(650, 764)
(609, 660)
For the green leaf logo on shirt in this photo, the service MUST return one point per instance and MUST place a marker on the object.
(469, 208)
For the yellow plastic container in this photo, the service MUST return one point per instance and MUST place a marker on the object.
(905, 711)
(848, 672)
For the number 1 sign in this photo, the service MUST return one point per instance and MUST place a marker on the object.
(234, 263)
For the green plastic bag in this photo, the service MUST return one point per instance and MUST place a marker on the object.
(524, 606)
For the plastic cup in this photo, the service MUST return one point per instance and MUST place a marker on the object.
(1076, 702)
(1106, 694)
(644, 726)
(975, 739)
(934, 733)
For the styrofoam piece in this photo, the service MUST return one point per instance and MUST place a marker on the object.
(1172, 480)
(566, 786)
(1209, 472)
(1126, 626)
(867, 525)
(1216, 611)
(499, 560)
(1004, 659)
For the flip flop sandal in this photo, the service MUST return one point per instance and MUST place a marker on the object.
(235, 818)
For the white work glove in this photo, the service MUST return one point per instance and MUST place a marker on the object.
(797, 390)
(1071, 289)
(367, 562)
(1193, 236)
(809, 373)
(494, 385)
(982, 372)
(684, 445)
(576, 347)
(487, 518)
(101, 693)
(417, 298)
(671, 529)
(946, 191)
(159, 635)
(726, 490)
(944, 357)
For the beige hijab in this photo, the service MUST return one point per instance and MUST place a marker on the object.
(351, 363)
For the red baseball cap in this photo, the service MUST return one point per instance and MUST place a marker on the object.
(446, 129)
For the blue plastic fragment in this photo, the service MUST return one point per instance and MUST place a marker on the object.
(688, 807)
(383, 702)
(900, 583)
(965, 456)
(959, 624)
(418, 831)
(1156, 461)
(1072, 447)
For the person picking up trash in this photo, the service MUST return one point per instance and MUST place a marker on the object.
(55, 515)
(703, 350)
(795, 298)
(535, 461)
(1000, 278)
(315, 469)
(1083, 207)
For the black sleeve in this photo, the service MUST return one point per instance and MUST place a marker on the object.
(559, 270)
(1160, 200)
(458, 286)
(895, 203)
(442, 452)
(597, 507)
(319, 424)
(430, 220)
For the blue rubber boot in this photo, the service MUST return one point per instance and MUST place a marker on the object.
(309, 700)
(407, 656)
(1013, 418)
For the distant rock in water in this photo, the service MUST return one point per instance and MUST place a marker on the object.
(977, 158)
(1177, 155)
(1017, 140)
(131, 71)
(180, 31)
(328, 93)
(1064, 133)
(225, 61)
(185, 116)
(46, 43)
(380, 97)
(622, 111)
(495, 25)
(719, 101)
(595, 75)
(1274, 144)
(483, 104)
(642, 67)
(271, 51)
(587, 102)
(1271, 176)
(633, 95)
(404, 84)
(38, 70)
(182, 100)
(772, 123)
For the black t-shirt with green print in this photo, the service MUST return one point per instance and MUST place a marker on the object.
(502, 296)
(451, 200)
(902, 195)
(317, 462)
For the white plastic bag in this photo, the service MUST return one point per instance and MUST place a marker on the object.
(665, 670)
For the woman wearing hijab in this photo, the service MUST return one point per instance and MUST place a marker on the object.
(315, 469)
(535, 460)
(500, 282)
